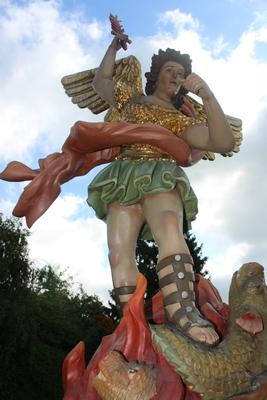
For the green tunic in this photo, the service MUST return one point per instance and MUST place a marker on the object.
(127, 182)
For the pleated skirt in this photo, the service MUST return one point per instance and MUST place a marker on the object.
(128, 181)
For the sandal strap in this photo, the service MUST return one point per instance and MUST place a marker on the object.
(179, 276)
(183, 277)
(120, 291)
(179, 297)
(124, 290)
(184, 258)
(184, 295)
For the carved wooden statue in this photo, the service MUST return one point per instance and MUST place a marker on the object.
(147, 137)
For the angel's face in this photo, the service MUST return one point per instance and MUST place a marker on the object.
(170, 78)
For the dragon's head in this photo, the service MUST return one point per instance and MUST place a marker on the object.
(119, 379)
(248, 298)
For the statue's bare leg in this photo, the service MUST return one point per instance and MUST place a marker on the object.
(164, 214)
(123, 227)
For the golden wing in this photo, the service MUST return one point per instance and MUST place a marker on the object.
(235, 124)
(79, 86)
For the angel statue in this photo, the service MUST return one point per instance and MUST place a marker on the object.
(146, 138)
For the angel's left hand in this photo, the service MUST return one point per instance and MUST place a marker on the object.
(195, 84)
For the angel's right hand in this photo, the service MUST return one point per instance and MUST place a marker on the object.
(120, 41)
(116, 43)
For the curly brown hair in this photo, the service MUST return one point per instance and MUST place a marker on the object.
(157, 61)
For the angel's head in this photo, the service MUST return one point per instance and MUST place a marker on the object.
(163, 60)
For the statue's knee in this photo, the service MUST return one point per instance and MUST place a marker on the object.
(169, 220)
(121, 258)
(114, 257)
(169, 228)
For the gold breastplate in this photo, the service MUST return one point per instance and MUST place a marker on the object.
(173, 120)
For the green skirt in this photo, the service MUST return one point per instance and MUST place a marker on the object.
(127, 182)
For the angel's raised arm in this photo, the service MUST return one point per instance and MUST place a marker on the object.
(103, 81)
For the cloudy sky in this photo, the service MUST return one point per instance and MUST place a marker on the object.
(41, 41)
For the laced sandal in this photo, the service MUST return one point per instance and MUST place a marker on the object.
(177, 270)
(120, 294)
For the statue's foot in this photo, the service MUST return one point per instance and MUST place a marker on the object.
(204, 335)
(176, 279)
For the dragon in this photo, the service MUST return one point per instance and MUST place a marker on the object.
(233, 366)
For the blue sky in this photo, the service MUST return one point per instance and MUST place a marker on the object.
(41, 41)
(215, 16)
(218, 17)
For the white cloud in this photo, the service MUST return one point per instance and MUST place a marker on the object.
(95, 30)
(179, 20)
(214, 191)
(6, 207)
(63, 238)
(38, 47)
(226, 264)
(222, 267)
(219, 45)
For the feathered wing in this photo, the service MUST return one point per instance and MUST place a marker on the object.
(235, 124)
(79, 86)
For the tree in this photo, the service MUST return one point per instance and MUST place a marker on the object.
(196, 253)
(18, 329)
(64, 318)
(146, 257)
(42, 319)
(15, 271)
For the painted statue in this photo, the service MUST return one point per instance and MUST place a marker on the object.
(147, 138)
(144, 185)
(143, 190)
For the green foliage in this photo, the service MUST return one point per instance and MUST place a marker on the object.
(15, 271)
(196, 253)
(42, 319)
(18, 329)
(146, 257)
